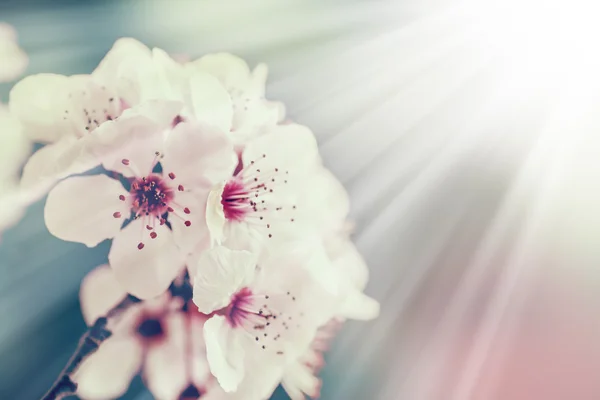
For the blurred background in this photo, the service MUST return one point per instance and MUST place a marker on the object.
(468, 140)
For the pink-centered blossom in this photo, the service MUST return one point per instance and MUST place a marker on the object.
(155, 338)
(13, 59)
(262, 203)
(156, 218)
(261, 315)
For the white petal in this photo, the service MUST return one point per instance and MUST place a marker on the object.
(348, 261)
(128, 68)
(199, 155)
(211, 102)
(56, 161)
(215, 217)
(231, 70)
(200, 369)
(39, 102)
(224, 352)
(358, 305)
(326, 201)
(81, 209)
(107, 373)
(99, 292)
(220, 274)
(189, 237)
(292, 147)
(166, 367)
(146, 272)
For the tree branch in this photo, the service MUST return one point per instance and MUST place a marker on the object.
(88, 345)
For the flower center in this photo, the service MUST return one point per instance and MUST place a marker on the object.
(150, 195)
(190, 393)
(150, 328)
(235, 200)
(238, 310)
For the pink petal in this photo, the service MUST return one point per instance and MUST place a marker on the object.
(219, 275)
(145, 272)
(166, 367)
(131, 145)
(108, 372)
(56, 161)
(199, 155)
(83, 209)
(188, 236)
(99, 293)
(224, 352)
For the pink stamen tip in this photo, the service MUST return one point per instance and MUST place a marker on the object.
(186, 210)
(180, 188)
(188, 223)
(117, 214)
(153, 235)
(162, 221)
(170, 209)
(125, 161)
(140, 246)
(148, 227)
(171, 175)
(121, 197)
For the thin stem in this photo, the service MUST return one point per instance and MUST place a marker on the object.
(88, 345)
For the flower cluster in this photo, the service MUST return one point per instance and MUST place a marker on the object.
(195, 177)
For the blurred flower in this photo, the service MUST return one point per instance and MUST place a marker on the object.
(166, 218)
(155, 337)
(14, 60)
(14, 149)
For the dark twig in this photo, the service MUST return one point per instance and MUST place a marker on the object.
(88, 345)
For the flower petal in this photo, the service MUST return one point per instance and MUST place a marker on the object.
(289, 146)
(199, 155)
(166, 367)
(54, 162)
(99, 292)
(86, 209)
(357, 305)
(106, 374)
(189, 230)
(220, 274)
(224, 352)
(128, 68)
(231, 70)
(39, 102)
(211, 102)
(145, 272)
